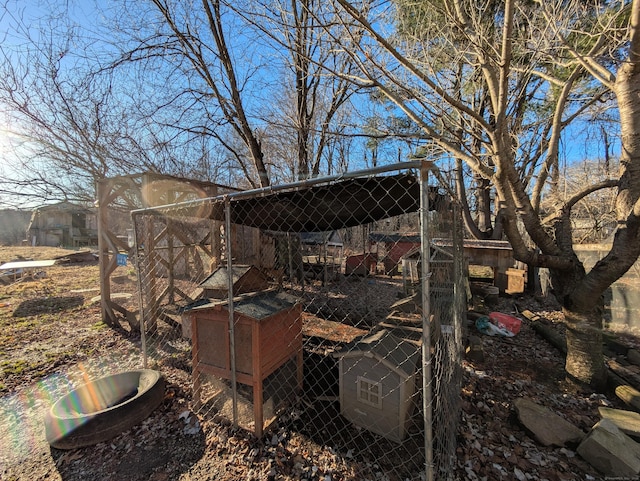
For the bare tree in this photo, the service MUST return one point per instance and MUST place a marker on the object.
(69, 127)
(593, 217)
(312, 103)
(522, 51)
(174, 42)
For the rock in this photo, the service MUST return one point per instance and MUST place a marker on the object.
(548, 428)
(627, 421)
(610, 451)
(474, 350)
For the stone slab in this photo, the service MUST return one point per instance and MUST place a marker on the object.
(627, 421)
(547, 427)
(610, 451)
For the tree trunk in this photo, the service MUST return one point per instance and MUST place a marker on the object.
(582, 293)
(581, 296)
(583, 302)
(585, 360)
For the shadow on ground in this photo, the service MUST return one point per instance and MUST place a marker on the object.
(44, 305)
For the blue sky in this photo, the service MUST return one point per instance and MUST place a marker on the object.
(579, 143)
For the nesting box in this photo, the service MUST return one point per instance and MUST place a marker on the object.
(244, 279)
(378, 382)
(267, 335)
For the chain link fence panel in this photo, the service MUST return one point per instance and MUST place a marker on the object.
(325, 314)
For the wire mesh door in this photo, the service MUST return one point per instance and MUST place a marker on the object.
(324, 314)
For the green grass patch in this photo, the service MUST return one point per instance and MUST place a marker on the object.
(98, 326)
(52, 356)
(17, 366)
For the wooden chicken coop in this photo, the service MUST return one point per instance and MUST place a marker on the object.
(267, 335)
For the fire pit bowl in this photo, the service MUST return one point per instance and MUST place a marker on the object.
(103, 408)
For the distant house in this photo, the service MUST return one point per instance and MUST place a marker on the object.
(322, 246)
(63, 224)
(322, 254)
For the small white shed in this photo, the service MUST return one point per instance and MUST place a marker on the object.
(378, 383)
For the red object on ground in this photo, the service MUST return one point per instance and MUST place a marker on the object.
(511, 323)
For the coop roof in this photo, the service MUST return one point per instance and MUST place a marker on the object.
(397, 354)
(327, 207)
(257, 305)
(219, 278)
(265, 304)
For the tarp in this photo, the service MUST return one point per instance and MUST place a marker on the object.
(322, 208)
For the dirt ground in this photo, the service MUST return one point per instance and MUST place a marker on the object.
(52, 337)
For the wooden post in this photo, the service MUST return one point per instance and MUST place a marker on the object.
(258, 414)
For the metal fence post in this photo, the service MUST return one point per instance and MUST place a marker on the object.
(232, 337)
(426, 324)
(137, 260)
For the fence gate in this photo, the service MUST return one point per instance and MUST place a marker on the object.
(325, 314)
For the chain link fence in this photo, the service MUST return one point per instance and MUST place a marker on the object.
(328, 313)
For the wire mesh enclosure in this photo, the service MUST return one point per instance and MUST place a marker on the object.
(329, 310)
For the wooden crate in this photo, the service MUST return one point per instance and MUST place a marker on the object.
(516, 279)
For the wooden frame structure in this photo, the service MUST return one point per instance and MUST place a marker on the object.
(117, 197)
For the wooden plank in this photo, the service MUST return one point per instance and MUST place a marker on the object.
(390, 325)
(105, 190)
(630, 377)
(330, 330)
(629, 395)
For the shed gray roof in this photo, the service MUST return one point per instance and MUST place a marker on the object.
(395, 353)
(219, 278)
(331, 238)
